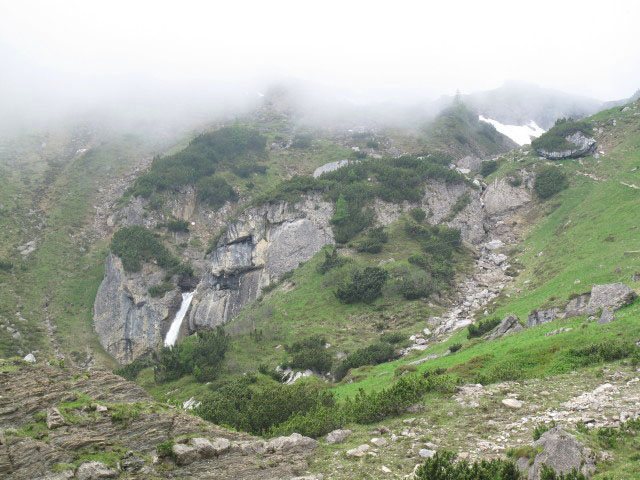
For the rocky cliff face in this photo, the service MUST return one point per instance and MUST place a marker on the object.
(129, 322)
(255, 251)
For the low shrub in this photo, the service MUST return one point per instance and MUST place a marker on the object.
(136, 244)
(214, 191)
(302, 140)
(542, 428)
(363, 285)
(555, 138)
(454, 347)
(482, 327)
(488, 167)
(372, 355)
(165, 449)
(443, 466)
(373, 242)
(130, 371)
(159, 290)
(178, 226)
(605, 351)
(549, 181)
(310, 354)
(331, 260)
(5, 265)
(418, 214)
(199, 355)
(392, 337)
(257, 409)
(417, 285)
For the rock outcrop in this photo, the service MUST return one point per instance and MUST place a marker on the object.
(509, 324)
(255, 251)
(613, 296)
(559, 450)
(603, 299)
(583, 146)
(129, 430)
(129, 322)
(500, 197)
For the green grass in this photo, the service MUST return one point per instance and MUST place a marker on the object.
(574, 230)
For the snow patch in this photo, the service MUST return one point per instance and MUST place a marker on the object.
(521, 134)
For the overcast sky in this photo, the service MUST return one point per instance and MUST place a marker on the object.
(61, 53)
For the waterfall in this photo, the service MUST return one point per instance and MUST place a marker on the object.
(172, 334)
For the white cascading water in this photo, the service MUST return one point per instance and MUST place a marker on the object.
(172, 334)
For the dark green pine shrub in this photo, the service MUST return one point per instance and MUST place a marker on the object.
(5, 265)
(236, 148)
(549, 181)
(310, 354)
(245, 405)
(178, 225)
(130, 371)
(331, 260)
(198, 355)
(443, 466)
(482, 327)
(302, 140)
(159, 290)
(488, 167)
(136, 244)
(418, 214)
(554, 139)
(375, 354)
(373, 242)
(417, 285)
(214, 191)
(363, 285)
(392, 337)
(605, 351)
(352, 188)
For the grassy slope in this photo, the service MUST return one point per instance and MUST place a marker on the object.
(570, 231)
(305, 305)
(66, 268)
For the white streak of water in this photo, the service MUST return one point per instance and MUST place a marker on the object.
(172, 334)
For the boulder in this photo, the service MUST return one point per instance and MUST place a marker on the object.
(203, 447)
(95, 471)
(184, 454)
(30, 358)
(583, 146)
(360, 451)
(338, 436)
(221, 446)
(560, 451)
(500, 197)
(293, 441)
(54, 418)
(612, 295)
(538, 317)
(512, 403)
(509, 324)
(426, 453)
(379, 442)
(606, 316)
(577, 306)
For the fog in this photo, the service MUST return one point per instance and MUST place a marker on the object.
(188, 61)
